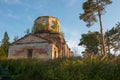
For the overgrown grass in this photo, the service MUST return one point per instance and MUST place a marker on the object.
(60, 69)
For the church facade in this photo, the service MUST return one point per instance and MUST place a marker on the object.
(45, 42)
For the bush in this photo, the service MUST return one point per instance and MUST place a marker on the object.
(60, 69)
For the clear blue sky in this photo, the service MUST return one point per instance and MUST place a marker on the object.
(18, 15)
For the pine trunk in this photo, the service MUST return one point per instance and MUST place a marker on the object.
(101, 31)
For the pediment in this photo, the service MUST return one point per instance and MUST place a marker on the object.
(30, 39)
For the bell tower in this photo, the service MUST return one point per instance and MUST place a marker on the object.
(46, 23)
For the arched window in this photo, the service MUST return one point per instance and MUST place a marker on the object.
(53, 24)
(44, 22)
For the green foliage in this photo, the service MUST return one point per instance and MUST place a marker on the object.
(91, 43)
(5, 45)
(91, 8)
(112, 37)
(88, 16)
(55, 25)
(114, 30)
(63, 69)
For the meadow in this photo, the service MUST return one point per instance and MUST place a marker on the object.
(60, 69)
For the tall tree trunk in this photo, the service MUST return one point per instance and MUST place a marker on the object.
(108, 44)
(108, 48)
(101, 31)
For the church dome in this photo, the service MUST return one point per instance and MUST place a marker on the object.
(46, 23)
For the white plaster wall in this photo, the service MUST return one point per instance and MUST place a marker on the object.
(22, 49)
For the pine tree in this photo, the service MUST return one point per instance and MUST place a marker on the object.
(113, 38)
(93, 8)
(5, 45)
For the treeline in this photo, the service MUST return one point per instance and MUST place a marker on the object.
(92, 42)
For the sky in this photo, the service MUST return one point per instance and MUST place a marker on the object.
(18, 15)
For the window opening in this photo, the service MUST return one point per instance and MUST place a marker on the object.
(44, 22)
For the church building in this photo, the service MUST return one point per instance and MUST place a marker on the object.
(46, 41)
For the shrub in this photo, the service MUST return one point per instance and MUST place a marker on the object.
(61, 69)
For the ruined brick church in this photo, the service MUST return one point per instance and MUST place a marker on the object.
(45, 42)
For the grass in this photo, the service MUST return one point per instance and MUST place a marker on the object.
(60, 69)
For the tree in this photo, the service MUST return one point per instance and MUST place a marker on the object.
(15, 38)
(112, 38)
(108, 41)
(92, 8)
(5, 45)
(27, 31)
(91, 42)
